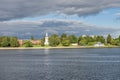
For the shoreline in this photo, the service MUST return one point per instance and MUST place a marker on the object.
(70, 47)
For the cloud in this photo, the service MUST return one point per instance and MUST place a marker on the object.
(117, 16)
(25, 29)
(16, 9)
(116, 34)
(87, 30)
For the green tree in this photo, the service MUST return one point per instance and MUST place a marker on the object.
(5, 42)
(0, 40)
(28, 44)
(65, 42)
(79, 39)
(54, 40)
(73, 39)
(90, 39)
(14, 42)
(42, 42)
(64, 35)
(116, 42)
(100, 39)
(32, 38)
(109, 39)
(119, 38)
(83, 42)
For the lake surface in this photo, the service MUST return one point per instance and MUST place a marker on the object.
(60, 64)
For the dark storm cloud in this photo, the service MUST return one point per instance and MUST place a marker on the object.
(15, 9)
(24, 29)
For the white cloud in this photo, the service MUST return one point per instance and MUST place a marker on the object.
(104, 12)
(87, 30)
(117, 14)
(17, 9)
(24, 29)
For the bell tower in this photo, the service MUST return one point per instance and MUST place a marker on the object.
(46, 39)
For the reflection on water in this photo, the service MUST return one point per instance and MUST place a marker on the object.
(60, 64)
(46, 59)
(46, 51)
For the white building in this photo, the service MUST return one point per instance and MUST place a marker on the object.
(99, 44)
(74, 44)
(46, 39)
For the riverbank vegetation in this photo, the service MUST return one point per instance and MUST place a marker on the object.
(85, 40)
(6, 41)
(62, 40)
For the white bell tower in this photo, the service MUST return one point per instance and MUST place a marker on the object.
(46, 39)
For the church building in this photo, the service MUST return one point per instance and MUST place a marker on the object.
(46, 39)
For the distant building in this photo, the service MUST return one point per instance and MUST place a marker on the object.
(99, 44)
(74, 44)
(21, 42)
(46, 39)
(35, 42)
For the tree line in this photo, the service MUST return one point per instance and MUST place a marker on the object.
(67, 40)
(62, 40)
(6, 41)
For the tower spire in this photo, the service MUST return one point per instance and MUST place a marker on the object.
(46, 39)
(46, 34)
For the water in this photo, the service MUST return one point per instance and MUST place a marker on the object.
(60, 64)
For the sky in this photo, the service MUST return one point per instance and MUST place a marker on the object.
(25, 18)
